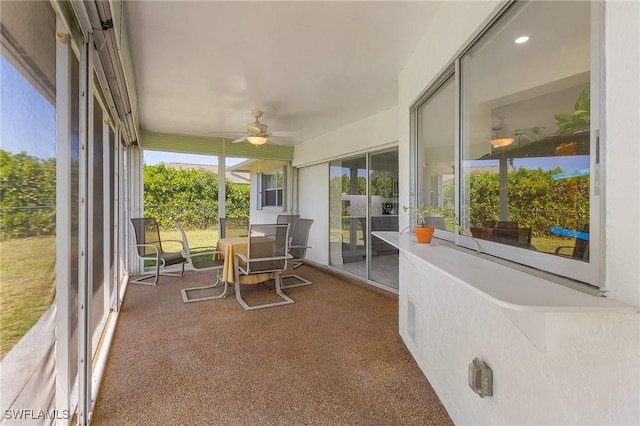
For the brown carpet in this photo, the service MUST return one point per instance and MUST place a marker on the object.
(333, 358)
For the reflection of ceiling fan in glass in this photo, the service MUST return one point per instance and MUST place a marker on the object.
(257, 133)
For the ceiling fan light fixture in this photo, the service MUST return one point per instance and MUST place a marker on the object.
(257, 140)
(501, 142)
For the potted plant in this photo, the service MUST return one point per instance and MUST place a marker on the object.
(424, 233)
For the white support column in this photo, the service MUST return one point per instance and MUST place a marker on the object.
(289, 188)
(135, 200)
(222, 191)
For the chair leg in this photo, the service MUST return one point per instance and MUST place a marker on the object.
(141, 280)
(286, 299)
(157, 274)
(185, 296)
(174, 274)
(145, 277)
(303, 281)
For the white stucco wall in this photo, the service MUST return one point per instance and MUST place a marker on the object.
(622, 156)
(313, 202)
(589, 372)
(373, 132)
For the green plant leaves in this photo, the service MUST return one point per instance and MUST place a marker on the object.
(580, 119)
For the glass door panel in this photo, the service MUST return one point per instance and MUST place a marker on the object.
(348, 215)
(383, 211)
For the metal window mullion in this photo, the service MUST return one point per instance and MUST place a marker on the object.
(117, 238)
(84, 326)
(91, 223)
(597, 216)
(107, 203)
(457, 178)
(63, 103)
(415, 171)
(365, 232)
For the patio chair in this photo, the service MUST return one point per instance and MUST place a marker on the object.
(298, 251)
(267, 253)
(149, 247)
(291, 219)
(202, 261)
(235, 227)
(580, 250)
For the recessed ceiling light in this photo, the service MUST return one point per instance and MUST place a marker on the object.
(522, 39)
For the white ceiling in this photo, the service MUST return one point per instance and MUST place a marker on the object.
(201, 66)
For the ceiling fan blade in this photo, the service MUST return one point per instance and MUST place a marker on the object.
(242, 139)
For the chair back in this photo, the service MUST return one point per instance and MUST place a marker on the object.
(291, 219)
(300, 238)
(581, 248)
(185, 243)
(146, 231)
(269, 242)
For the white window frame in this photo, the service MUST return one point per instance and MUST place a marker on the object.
(262, 189)
(590, 272)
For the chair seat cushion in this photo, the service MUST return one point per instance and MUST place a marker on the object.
(266, 265)
(172, 258)
(201, 264)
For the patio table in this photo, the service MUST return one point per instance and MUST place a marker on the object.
(231, 246)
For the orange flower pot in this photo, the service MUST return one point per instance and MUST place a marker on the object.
(424, 233)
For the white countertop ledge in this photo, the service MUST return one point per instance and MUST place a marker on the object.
(506, 287)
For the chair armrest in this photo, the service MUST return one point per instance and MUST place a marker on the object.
(562, 248)
(263, 259)
(174, 241)
(203, 247)
(203, 253)
(153, 246)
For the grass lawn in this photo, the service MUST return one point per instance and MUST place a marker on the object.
(195, 237)
(549, 244)
(27, 286)
(27, 278)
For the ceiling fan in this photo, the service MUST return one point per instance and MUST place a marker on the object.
(257, 133)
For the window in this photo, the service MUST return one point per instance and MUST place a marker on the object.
(437, 151)
(523, 175)
(271, 187)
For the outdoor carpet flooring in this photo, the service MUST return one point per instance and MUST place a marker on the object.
(333, 358)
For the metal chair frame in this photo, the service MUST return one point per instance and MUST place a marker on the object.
(158, 255)
(206, 265)
(299, 240)
(251, 264)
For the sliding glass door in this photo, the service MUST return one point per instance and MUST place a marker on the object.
(363, 196)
